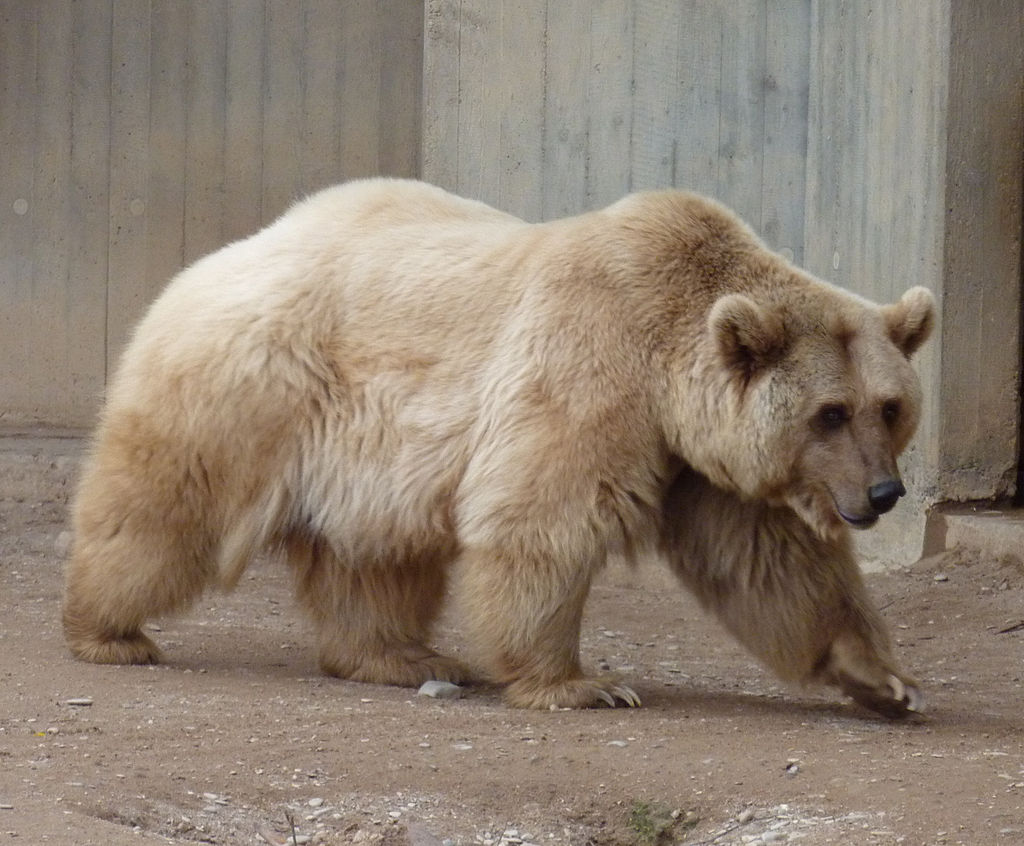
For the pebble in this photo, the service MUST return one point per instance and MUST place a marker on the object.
(619, 743)
(79, 701)
(745, 816)
(941, 577)
(315, 803)
(440, 690)
(63, 544)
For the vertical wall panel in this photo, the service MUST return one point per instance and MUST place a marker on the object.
(656, 93)
(22, 217)
(698, 120)
(442, 81)
(564, 143)
(139, 135)
(479, 129)
(243, 119)
(784, 157)
(520, 95)
(359, 92)
(166, 156)
(741, 103)
(609, 101)
(40, 316)
(282, 107)
(81, 295)
(984, 170)
(129, 169)
(205, 127)
(322, 62)
(18, 209)
(400, 86)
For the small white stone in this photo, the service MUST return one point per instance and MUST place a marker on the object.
(79, 701)
(315, 803)
(745, 816)
(941, 577)
(63, 544)
(440, 690)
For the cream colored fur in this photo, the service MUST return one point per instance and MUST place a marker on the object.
(389, 381)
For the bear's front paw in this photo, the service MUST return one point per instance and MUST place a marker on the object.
(893, 698)
(572, 693)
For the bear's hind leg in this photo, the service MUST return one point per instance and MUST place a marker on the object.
(374, 621)
(136, 555)
(526, 616)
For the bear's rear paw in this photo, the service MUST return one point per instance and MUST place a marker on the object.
(572, 693)
(894, 698)
(132, 648)
(402, 668)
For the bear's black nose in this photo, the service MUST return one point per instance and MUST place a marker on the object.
(883, 496)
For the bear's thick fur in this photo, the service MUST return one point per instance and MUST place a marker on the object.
(389, 381)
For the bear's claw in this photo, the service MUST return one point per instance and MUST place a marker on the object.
(896, 699)
(574, 693)
(618, 692)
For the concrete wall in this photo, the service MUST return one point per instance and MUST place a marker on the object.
(136, 136)
(557, 106)
(878, 144)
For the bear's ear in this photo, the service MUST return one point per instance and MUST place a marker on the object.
(911, 320)
(748, 336)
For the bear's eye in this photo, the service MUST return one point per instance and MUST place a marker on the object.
(833, 416)
(890, 411)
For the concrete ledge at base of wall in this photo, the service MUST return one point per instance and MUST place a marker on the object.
(982, 530)
(39, 464)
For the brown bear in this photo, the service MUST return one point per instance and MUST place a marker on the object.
(390, 381)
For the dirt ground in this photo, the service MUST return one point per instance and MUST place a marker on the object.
(238, 737)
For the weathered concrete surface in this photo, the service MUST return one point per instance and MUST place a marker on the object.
(39, 464)
(979, 530)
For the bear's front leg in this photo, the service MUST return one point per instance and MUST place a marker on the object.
(794, 599)
(525, 615)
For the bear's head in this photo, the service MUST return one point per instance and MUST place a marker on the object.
(821, 395)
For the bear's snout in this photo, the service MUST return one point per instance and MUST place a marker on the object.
(883, 496)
